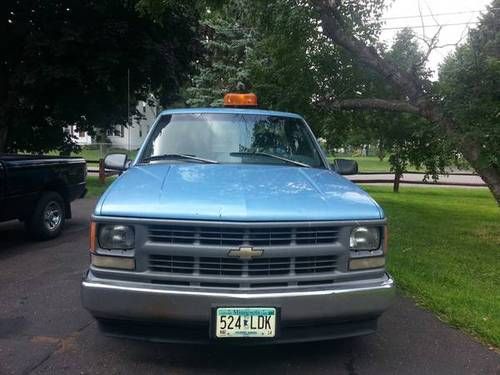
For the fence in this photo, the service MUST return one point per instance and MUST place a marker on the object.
(94, 154)
(100, 170)
(94, 151)
(415, 182)
(358, 178)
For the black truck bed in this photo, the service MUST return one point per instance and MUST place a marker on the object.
(25, 178)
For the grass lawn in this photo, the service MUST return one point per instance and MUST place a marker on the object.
(444, 249)
(368, 163)
(371, 163)
(94, 187)
(374, 164)
(98, 153)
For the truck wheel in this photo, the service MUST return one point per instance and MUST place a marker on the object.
(48, 218)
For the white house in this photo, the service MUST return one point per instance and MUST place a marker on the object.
(82, 138)
(131, 137)
(121, 136)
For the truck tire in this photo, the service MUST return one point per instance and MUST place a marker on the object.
(48, 218)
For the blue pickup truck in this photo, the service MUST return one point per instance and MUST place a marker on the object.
(231, 226)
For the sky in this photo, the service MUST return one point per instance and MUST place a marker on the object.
(464, 11)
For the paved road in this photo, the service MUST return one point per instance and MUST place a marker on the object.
(44, 330)
(408, 178)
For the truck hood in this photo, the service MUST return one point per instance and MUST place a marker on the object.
(235, 192)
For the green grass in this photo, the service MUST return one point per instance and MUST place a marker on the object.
(444, 249)
(374, 164)
(95, 188)
(96, 153)
(367, 163)
(91, 154)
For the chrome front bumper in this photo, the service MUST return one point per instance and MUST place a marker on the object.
(112, 299)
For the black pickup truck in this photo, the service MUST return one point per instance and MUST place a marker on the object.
(38, 190)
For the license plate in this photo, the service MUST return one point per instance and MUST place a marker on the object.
(245, 322)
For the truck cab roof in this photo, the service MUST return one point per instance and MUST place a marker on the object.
(248, 111)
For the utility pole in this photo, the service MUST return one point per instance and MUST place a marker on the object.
(129, 123)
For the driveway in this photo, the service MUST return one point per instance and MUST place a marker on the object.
(44, 330)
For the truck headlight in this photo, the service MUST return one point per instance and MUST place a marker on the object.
(116, 237)
(365, 238)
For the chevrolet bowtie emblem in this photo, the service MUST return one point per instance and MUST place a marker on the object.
(245, 253)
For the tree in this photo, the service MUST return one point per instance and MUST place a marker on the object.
(228, 42)
(284, 65)
(415, 94)
(407, 138)
(290, 64)
(66, 63)
(275, 49)
(469, 87)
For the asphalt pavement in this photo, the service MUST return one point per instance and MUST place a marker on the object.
(44, 329)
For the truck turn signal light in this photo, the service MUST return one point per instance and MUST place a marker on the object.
(93, 237)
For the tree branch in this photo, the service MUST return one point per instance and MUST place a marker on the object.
(410, 87)
(421, 20)
(329, 11)
(382, 104)
(432, 42)
(431, 45)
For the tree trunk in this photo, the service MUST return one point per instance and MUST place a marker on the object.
(3, 139)
(469, 147)
(490, 175)
(397, 181)
(416, 98)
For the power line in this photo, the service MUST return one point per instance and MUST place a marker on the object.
(437, 14)
(420, 26)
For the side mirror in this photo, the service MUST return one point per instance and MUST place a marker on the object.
(345, 166)
(116, 162)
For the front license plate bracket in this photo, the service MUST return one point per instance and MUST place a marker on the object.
(245, 322)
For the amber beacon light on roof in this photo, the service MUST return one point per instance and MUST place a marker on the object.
(240, 100)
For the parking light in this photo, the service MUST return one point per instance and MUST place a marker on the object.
(92, 237)
(122, 263)
(357, 264)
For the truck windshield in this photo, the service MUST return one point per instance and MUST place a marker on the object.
(233, 138)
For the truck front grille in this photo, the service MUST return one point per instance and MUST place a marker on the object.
(195, 254)
(225, 266)
(235, 236)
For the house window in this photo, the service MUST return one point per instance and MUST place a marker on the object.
(81, 134)
(122, 131)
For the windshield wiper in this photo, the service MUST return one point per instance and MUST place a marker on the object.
(290, 161)
(178, 156)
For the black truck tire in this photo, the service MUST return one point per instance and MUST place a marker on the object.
(47, 220)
